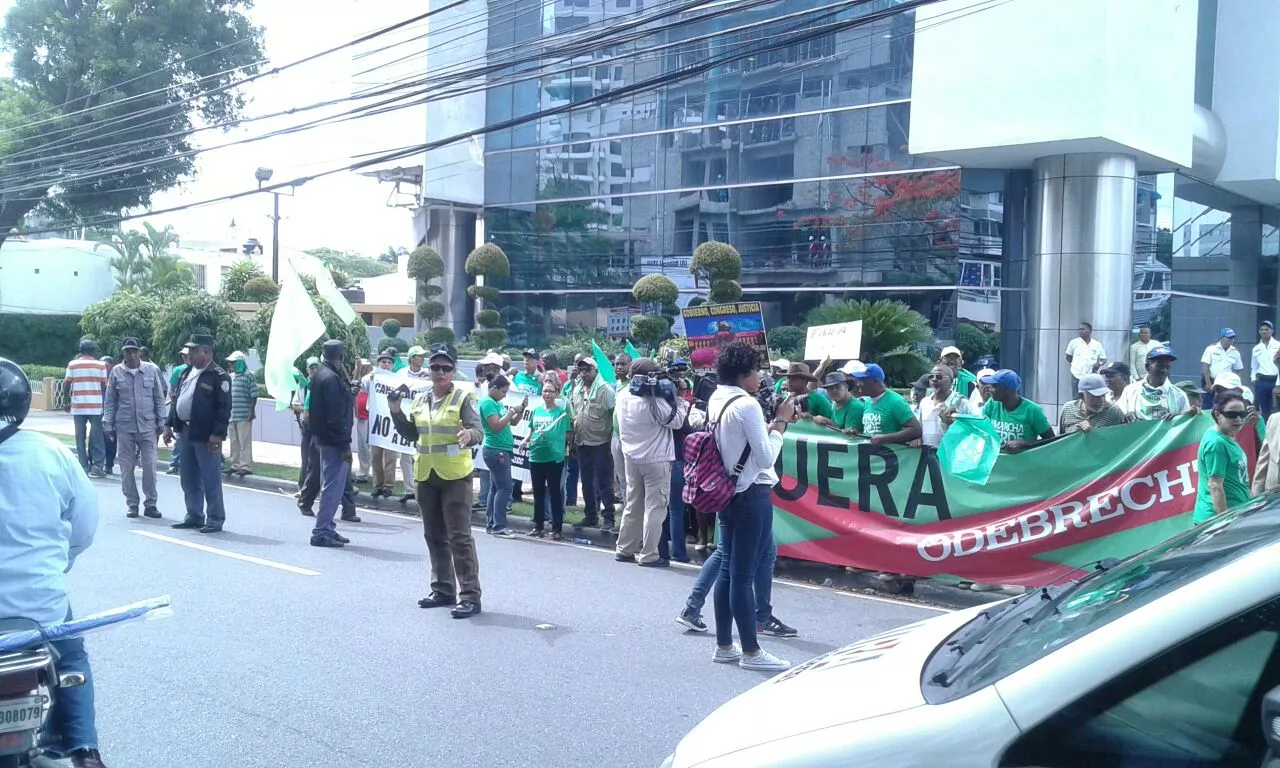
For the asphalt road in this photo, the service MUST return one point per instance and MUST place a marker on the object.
(316, 657)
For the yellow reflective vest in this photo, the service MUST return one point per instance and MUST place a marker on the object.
(438, 449)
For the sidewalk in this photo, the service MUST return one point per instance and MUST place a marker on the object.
(287, 457)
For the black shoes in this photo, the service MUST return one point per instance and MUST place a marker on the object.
(435, 600)
(133, 512)
(351, 518)
(188, 525)
(405, 499)
(211, 528)
(624, 558)
(606, 526)
(465, 610)
(691, 620)
(341, 538)
(326, 541)
(152, 513)
(776, 628)
(661, 562)
(306, 511)
(87, 758)
(586, 524)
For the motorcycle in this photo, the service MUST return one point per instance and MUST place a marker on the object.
(30, 681)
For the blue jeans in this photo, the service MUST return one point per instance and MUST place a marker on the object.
(335, 471)
(1264, 388)
(90, 445)
(570, 480)
(495, 510)
(175, 458)
(675, 513)
(746, 532)
(484, 488)
(711, 571)
(71, 718)
(201, 475)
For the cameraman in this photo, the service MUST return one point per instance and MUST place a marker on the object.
(648, 412)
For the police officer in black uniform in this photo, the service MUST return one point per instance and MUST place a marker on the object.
(200, 410)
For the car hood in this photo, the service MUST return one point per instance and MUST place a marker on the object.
(826, 691)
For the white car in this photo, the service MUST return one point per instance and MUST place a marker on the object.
(1165, 659)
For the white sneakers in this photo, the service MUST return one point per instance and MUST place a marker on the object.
(762, 660)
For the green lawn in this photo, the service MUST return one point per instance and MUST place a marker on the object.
(290, 474)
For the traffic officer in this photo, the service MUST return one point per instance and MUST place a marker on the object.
(135, 413)
(444, 421)
(201, 411)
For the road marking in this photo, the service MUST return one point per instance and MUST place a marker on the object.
(893, 602)
(227, 553)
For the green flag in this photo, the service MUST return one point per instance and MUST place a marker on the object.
(295, 326)
(328, 291)
(398, 364)
(632, 351)
(605, 367)
(970, 448)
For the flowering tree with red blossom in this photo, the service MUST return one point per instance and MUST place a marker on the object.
(900, 219)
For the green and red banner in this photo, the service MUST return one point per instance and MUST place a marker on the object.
(1043, 514)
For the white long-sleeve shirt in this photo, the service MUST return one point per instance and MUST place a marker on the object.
(739, 425)
(645, 425)
(48, 515)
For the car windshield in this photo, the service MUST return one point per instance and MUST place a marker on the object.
(1001, 641)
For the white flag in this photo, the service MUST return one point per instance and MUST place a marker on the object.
(295, 326)
(328, 291)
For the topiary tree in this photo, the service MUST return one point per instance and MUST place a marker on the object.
(425, 265)
(720, 265)
(260, 289)
(972, 341)
(786, 341)
(391, 327)
(487, 261)
(653, 289)
(430, 311)
(398, 343)
(440, 335)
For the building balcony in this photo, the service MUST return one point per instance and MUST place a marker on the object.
(769, 132)
(713, 201)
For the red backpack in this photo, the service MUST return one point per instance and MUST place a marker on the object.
(708, 487)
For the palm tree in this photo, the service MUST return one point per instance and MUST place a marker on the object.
(169, 272)
(892, 334)
(159, 240)
(130, 263)
(393, 254)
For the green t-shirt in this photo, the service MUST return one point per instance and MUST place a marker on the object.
(548, 429)
(850, 415)
(177, 374)
(527, 383)
(965, 382)
(1220, 456)
(1026, 422)
(889, 414)
(501, 439)
(819, 404)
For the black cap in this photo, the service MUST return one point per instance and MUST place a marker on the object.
(444, 350)
(201, 340)
(129, 344)
(388, 354)
(835, 378)
(1120, 368)
(531, 352)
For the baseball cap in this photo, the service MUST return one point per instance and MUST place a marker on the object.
(872, 371)
(416, 351)
(1093, 384)
(834, 379)
(531, 352)
(129, 344)
(234, 356)
(1269, 324)
(442, 350)
(781, 362)
(1161, 351)
(313, 361)
(1120, 368)
(853, 366)
(1228, 380)
(588, 360)
(1005, 378)
(950, 351)
(492, 358)
(1226, 333)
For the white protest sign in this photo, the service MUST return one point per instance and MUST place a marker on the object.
(839, 341)
(382, 433)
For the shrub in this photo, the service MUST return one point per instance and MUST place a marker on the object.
(125, 315)
(425, 264)
(487, 318)
(431, 291)
(41, 372)
(355, 335)
(440, 335)
(40, 339)
(235, 283)
(431, 311)
(178, 319)
(488, 260)
(972, 341)
(398, 343)
(488, 338)
(656, 289)
(391, 327)
(725, 291)
(786, 341)
(716, 261)
(697, 301)
(260, 289)
(649, 329)
(484, 292)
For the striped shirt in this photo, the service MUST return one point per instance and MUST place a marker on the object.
(86, 376)
(243, 392)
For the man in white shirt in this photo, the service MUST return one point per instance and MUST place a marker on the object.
(1263, 369)
(1139, 349)
(1085, 354)
(1219, 358)
(937, 410)
(1154, 396)
(646, 422)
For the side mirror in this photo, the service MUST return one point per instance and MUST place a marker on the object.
(1271, 723)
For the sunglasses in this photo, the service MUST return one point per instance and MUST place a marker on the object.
(1234, 414)
(442, 369)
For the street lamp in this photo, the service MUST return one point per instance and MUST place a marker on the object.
(263, 175)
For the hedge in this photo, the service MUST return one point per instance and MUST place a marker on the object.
(40, 339)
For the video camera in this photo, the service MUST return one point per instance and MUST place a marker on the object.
(656, 384)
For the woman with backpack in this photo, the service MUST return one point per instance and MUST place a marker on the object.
(748, 446)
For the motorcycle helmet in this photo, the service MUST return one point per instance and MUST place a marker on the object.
(15, 393)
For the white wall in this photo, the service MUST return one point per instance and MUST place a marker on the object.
(53, 276)
(1054, 77)
(1246, 96)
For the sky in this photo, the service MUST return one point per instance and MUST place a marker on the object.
(344, 211)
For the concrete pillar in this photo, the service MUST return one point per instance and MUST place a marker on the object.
(1080, 265)
(452, 232)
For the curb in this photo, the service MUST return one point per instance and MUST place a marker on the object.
(926, 591)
